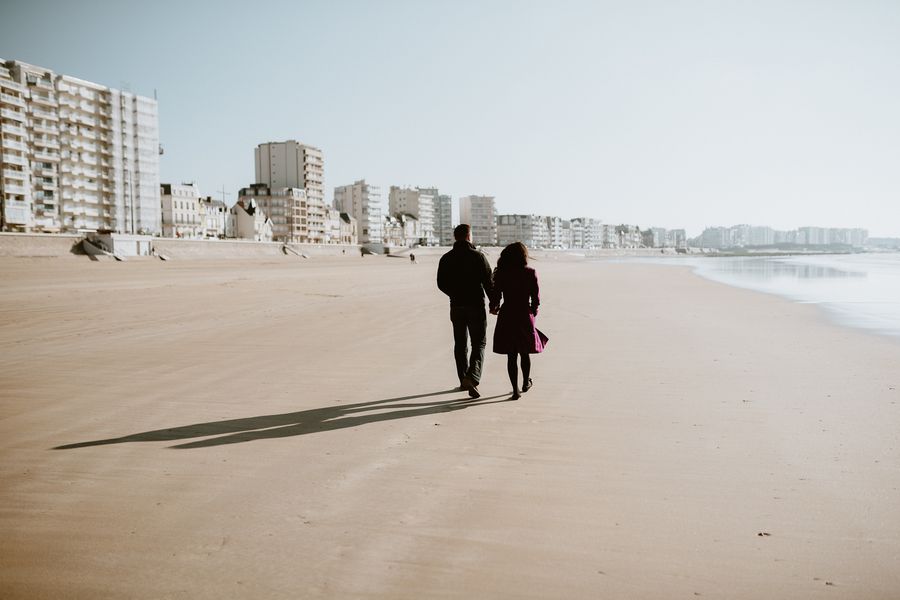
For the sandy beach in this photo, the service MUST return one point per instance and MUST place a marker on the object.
(287, 428)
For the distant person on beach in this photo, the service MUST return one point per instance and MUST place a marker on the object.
(412, 257)
(515, 334)
(464, 274)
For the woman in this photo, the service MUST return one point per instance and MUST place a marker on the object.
(515, 334)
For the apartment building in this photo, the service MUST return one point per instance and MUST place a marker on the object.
(215, 217)
(630, 236)
(76, 155)
(531, 230)
(677, 238)
(362, 202)
(609, 236)
(659, 237)
(402, 230)
(285, 206)
(558, 233)
(480, 213)
(443, 217)
(291, 164)
(587, 233)
(181, 211)
(418, 202)
(348, 229)
(341, 228)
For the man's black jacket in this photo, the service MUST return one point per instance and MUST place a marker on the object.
(465, 275)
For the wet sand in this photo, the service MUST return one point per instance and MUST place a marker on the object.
(286, 429)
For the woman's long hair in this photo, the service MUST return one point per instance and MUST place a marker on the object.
(514, 256)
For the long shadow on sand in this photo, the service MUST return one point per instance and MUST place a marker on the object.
(328, 418)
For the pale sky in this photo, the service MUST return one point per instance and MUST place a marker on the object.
(667, 113)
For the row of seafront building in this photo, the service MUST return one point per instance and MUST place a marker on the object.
(744, 236)
(77, 156)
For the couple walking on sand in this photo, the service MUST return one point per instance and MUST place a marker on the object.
(464, 274)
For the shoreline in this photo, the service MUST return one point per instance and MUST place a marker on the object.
(844, 291)
(280, 428)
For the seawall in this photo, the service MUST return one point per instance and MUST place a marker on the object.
(40, 244)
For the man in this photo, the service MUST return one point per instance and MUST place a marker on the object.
(465, 275)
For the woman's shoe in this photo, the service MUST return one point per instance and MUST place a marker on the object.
(515, 395)
(527, 385)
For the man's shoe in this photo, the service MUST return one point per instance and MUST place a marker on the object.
(470, 386)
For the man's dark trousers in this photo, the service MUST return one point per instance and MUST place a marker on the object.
(469, 321)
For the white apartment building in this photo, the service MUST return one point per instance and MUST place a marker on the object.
(181, 211)
(215, 217)
(286, 207)
(341, 228)
(290, 164)
(678, 238)
(630, 236)
(761, 235)
(402, 230)
(76, 155)
(531, 230)
(443, 217)
(558, 233)
(417, 202)
(587, 233)
(609, 237)
(480, 213)
(362, 202)
(660, 237)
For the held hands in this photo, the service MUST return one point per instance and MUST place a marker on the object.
(534, 310)
(495, 309)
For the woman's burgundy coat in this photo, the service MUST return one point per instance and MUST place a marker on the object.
(515, 331)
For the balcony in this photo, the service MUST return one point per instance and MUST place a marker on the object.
(47, 156)
(44, 114)
(11, 188)
(12, 159)
(12, 114)
(14, 100)
(48, 100)
(46, 143)
(42, 171)
(12, 129)
(52, 129)
(12, 85)
(14, 174)
(10, 144)
(16, 204)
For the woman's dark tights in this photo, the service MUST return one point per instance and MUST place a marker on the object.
(513, 369)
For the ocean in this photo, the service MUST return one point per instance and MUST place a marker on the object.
(855, 290)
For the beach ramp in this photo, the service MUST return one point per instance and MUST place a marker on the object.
(95, 252)
(293, 251)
